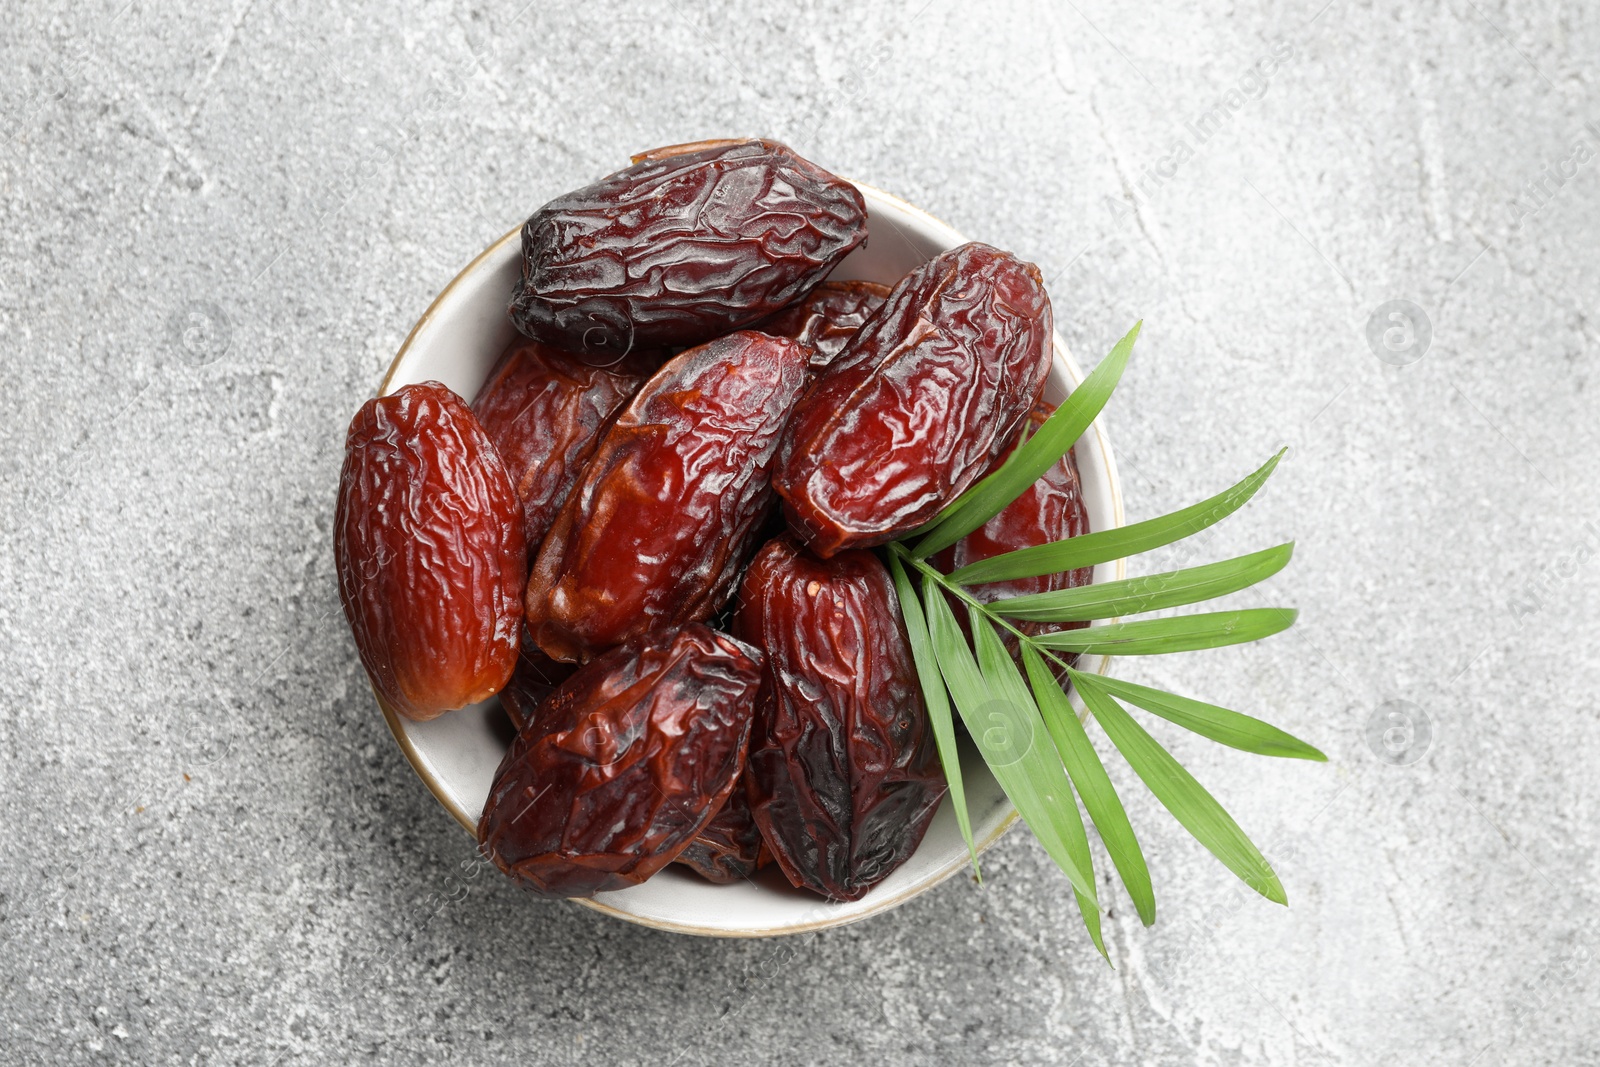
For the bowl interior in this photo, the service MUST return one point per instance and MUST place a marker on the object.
(457, 342)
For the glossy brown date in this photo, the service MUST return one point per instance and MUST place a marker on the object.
(1049, 510)
(657, 528)
(544, 409)
(624, 764)
(536, 677)
(843, 773)
(920, 403)
(827, 318)
(689, 242)
(730, 848)
(428, 544)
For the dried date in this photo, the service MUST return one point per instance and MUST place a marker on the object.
(920, 403)
(655, 531)
(689, 242)
(730, 848)
(843, 773)
(544, 409)
(827, 318)
(536, 677)
(1049, 510)
(624, 764)
(429, 549)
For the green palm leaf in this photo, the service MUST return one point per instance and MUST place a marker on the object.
(1187, 800)
(1149, 593)
(1010, 712)
(1208, 720)
(1107, 545)
(1093, 784)
(937, 701)
(1185, 633)
(1001, 726)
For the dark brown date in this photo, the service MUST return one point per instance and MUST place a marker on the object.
(730, 848)
(536, 677)
(920, 402)
(428, 544)
(544, 410)
(827, 318)
(657, 528)
(624, 764)
(1049, 510)
(689, 242)
(843, 774)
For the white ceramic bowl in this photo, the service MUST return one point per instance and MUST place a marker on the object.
(456, 342)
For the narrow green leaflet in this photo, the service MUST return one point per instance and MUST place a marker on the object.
(1184, 633)
(1107, 545)
(1078, 844)
(1179, 793)
(1149, 593)
(937, 701)
(1030, 774)
(1031, 458)
(1093, 784)
(1208, 720)
(1021, 723)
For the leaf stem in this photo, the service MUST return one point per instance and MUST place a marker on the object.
(938, 577)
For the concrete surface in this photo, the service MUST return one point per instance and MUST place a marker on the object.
(217, 224)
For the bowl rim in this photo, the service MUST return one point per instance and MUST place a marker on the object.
(1059, 353)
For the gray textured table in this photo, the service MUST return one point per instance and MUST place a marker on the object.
(218, 224)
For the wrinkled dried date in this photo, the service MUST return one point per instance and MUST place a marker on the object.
(689, 242)
(827, 318)
(429, 548)
(544, 410)
(843, 774)
(730, 848)
(656, 529)
(624, 764)
(1049, 510)
(536, 677)
(920, 402)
